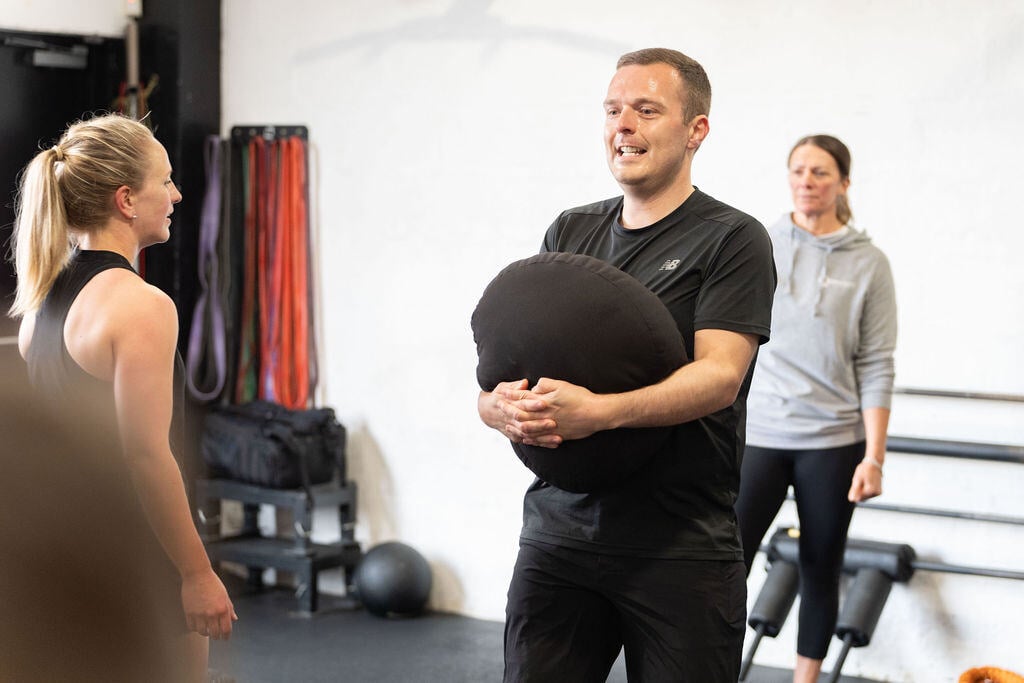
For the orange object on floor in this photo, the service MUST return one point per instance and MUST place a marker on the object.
(990, 674)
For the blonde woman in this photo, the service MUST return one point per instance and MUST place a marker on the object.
(93, 331)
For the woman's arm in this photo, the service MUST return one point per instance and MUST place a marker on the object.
(875, 372)
(867, 478)
(143, 340)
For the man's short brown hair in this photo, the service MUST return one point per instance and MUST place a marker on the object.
(697, 96)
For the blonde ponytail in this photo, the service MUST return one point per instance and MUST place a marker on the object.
(41, 241)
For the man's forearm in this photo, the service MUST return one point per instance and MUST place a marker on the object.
(691, 392)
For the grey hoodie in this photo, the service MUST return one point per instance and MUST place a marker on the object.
(833, 336)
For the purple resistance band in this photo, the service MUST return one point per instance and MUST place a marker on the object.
(203, 345)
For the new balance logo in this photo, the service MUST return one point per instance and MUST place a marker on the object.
(671, 264)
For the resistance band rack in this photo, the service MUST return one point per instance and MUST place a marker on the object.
(257, 282)
(253, 219)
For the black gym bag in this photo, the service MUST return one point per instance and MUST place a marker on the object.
(266, 444)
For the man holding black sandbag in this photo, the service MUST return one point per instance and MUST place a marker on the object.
(654, 564)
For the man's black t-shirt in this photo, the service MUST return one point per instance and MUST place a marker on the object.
(712, 267)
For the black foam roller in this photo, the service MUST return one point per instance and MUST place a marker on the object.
(776, 598)
(863, 606)
(895, 560)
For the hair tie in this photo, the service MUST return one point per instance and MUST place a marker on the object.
(58, 152)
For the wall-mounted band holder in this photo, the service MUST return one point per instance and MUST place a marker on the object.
(268, 132)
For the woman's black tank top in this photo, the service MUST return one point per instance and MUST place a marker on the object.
(55, 374)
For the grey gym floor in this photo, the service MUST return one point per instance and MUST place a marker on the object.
(273, 644)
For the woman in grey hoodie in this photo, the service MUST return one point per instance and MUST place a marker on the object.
(818, 408)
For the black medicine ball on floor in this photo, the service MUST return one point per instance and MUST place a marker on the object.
(393, 579)
(576, 318)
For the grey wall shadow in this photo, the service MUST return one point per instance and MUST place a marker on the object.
(375, 519)
(375, 503)
(466, 20)
(446, 592)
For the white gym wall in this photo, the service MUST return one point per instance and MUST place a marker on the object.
(449, 133)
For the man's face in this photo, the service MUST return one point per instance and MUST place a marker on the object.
(645, 134)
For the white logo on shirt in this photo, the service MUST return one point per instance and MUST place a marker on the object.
(671, 264)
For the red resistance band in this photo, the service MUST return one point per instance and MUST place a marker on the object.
(274, 361)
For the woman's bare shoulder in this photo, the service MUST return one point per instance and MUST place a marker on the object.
(121, 294)
(118, 315)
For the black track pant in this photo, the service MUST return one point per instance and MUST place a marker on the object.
(820, 479)
(570, 613)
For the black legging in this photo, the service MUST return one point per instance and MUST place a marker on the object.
(820, 479)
